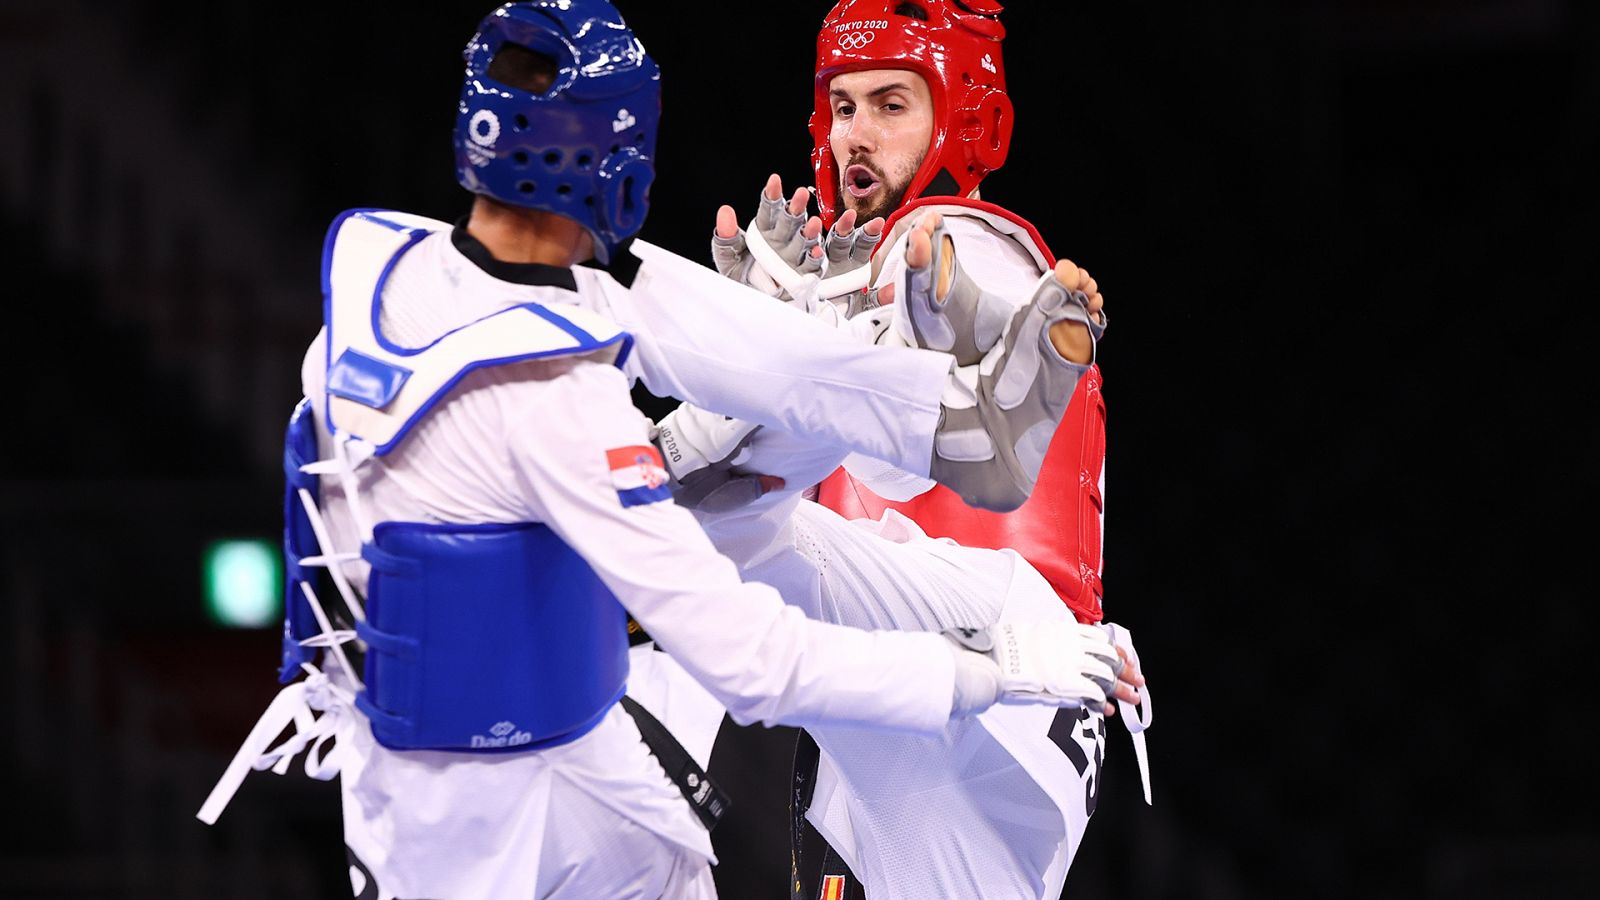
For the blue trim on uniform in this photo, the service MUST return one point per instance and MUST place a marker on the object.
(586, 342)
(584, 338)
(444, 389)
(393, 226)
(626, 351)
(377, 297)
(329, 240)
(370, 382)
(639, 496)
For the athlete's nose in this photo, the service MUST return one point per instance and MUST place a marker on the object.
(861, 136)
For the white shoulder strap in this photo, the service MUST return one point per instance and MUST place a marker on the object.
(376, 389)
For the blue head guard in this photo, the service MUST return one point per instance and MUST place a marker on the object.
(585, 147)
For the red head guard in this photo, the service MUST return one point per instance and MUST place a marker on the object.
(957, 51)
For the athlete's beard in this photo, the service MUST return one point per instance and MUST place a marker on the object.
(890, 198)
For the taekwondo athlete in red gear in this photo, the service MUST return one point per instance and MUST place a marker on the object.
(469, 472)
(877, 61)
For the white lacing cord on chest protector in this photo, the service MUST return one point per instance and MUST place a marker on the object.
(298, 702)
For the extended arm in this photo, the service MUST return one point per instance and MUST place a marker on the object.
(763, 660)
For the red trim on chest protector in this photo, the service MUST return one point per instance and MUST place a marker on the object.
(978, 205)
(1057, 529)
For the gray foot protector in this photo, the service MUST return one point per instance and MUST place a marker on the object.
(783, 233)
(990, 452)
(966, 322)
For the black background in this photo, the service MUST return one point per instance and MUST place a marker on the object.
(1348, 250)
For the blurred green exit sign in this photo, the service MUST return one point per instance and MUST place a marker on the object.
(243, 583)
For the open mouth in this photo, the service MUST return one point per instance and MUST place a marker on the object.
(859, 181)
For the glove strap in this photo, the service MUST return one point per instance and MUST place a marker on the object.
(803, 287)
(856, 279)
(773, 264)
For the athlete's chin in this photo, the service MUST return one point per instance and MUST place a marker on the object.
(880, 204)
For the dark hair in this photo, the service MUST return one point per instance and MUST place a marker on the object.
(527, 70)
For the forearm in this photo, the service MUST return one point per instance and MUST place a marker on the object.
(764, 661)
(734, 352)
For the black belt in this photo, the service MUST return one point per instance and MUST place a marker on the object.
(636, 634)
(835, 881)
(707, 800)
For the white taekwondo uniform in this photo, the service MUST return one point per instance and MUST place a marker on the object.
(528, 442)
(992, 807)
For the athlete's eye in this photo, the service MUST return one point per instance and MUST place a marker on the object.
(844, 109)
(893, 107)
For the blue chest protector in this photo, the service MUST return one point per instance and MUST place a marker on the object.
(479, 637)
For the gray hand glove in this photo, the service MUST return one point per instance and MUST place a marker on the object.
(990, 444)
(849, 250)
(856, 302)
(783, 232)
(966, 322)
(702, 452)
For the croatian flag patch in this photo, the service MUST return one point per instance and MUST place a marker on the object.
(638, 475)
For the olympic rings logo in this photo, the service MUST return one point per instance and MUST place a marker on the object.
(855, 40)
(484, 129)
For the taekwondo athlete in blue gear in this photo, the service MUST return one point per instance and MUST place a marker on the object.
(469, 471)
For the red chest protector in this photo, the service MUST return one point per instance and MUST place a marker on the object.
(1058, 529)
